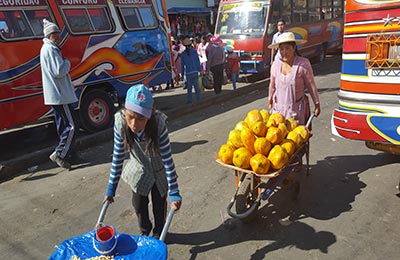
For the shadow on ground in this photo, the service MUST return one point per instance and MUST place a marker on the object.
(327, 192)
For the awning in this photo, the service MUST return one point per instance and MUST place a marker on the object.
(188, 10)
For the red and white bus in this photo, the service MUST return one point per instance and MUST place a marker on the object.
(249, 26)
(111, 44)
(369, 95)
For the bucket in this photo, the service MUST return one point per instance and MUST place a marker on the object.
(105, 240)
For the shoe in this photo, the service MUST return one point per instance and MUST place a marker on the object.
(60, 162)
(156, 235)
(144, 234)
(76, 159)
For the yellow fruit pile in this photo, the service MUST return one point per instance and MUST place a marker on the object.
(263, 141)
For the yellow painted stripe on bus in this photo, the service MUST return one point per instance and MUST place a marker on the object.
(353, 76)
(360, 108)
(369, 28)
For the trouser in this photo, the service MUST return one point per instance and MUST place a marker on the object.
(140, 204)
(234, 79)
(192, 81)
(66, 129)
(218, 74)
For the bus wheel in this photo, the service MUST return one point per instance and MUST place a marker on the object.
(96, 111)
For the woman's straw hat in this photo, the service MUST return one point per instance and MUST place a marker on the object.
(284, 38)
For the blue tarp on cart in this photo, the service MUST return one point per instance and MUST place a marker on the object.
(128, 247)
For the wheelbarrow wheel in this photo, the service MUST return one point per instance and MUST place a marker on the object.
(245, 198)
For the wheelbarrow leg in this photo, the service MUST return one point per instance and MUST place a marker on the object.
(308, 158)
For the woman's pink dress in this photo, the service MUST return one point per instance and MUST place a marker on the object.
(287, 92)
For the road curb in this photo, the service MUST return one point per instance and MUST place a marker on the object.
(17, 166)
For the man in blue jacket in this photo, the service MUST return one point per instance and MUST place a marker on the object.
(58, 92)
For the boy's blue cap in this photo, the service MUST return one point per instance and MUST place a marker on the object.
(139, 100)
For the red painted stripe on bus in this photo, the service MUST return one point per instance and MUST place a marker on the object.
(346, 123)
(355, 45)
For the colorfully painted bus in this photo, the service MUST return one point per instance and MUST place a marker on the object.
(111, 44)
(249, 26)
(369, 95)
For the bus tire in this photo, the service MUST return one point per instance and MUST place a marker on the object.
(96, 112)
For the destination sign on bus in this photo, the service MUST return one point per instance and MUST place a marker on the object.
(22, 3)
(242, 6)
(81, 2)
(132, 2)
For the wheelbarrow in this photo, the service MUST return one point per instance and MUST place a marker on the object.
(251, 187)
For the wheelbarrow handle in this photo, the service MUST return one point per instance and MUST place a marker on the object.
(167, 223)
(310, 120)
(103, 212)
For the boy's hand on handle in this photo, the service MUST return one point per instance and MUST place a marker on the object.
(109, 198)
(176, 204)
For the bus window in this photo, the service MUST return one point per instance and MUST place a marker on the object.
(100, 19)
(23, 23)
(15, 25)
(87, 20)
(326, 10)
(337, 11)
(300, 12)
(314, 13)
(242, 18)
(137, 17)
(286, 10)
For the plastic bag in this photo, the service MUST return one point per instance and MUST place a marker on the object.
(207, 81)
(200, 84)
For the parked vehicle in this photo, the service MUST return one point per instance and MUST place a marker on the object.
(250, 25)
(111, 45)
(369, 101)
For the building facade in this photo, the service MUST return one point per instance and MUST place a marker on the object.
(191, 18)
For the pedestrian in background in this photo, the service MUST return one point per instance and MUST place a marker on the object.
(275, 53)
(191, 68)
(290, 77)
(141, 136)
(201, 50)
(216, 62)
(232, 65)
(58, 92)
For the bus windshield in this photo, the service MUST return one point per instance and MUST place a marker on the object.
(242, 18)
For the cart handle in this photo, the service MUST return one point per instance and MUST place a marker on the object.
(167, 223)
(102, 213)
(310, 120)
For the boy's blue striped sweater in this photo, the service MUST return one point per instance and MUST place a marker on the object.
(119, 155)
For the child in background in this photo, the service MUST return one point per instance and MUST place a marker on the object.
(232, 65)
